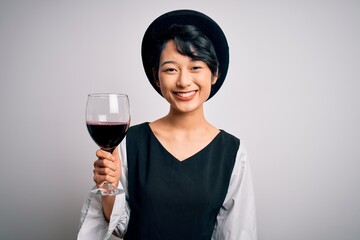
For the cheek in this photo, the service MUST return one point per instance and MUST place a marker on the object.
(164, 87)
(166, 82)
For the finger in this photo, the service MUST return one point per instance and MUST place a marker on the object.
(105, 163)
(104, 154)
(105, 171)
(117, 157)
(100, 179)
(116, 152)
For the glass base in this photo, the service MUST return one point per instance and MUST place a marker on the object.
(107, 190)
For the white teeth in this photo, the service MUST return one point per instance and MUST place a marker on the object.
(185, 94)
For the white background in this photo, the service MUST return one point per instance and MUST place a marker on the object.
(292, 95)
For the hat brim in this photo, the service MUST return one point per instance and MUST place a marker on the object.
(185, 17)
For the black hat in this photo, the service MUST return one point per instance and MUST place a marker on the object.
(186, 17)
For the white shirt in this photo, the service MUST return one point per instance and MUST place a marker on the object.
(236, 219)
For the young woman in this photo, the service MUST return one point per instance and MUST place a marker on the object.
(183, 177)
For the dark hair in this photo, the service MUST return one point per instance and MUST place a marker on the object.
(189, 41)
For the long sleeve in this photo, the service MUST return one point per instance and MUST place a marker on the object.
(237, 217)
(93, 224)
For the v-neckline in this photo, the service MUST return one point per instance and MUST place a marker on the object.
(189, 157)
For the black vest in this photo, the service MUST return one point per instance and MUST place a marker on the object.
(171, 199)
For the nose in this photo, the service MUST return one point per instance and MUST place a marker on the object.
(184, 79)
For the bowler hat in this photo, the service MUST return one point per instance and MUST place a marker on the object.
(185, 17)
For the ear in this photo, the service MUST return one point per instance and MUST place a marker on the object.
(155, 77)
(215, 77)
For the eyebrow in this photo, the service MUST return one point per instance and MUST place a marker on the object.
(167, 62)
(173, 62)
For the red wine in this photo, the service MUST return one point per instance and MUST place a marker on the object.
(107, 134)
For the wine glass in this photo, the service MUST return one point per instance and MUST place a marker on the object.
(107, 120)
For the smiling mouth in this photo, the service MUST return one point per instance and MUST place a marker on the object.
(185, 94)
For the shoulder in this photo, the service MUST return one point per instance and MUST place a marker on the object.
(228, 138)
(135, 129)
(137, 132)
(237, 143)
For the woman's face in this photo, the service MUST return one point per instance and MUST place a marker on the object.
(184, 83)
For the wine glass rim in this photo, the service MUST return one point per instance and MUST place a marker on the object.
(106, 94)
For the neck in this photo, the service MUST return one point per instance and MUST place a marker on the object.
(186, 121)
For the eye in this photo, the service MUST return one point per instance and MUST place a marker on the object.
(169, 70)
(196, 67)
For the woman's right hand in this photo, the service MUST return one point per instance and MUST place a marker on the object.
(107, 168)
